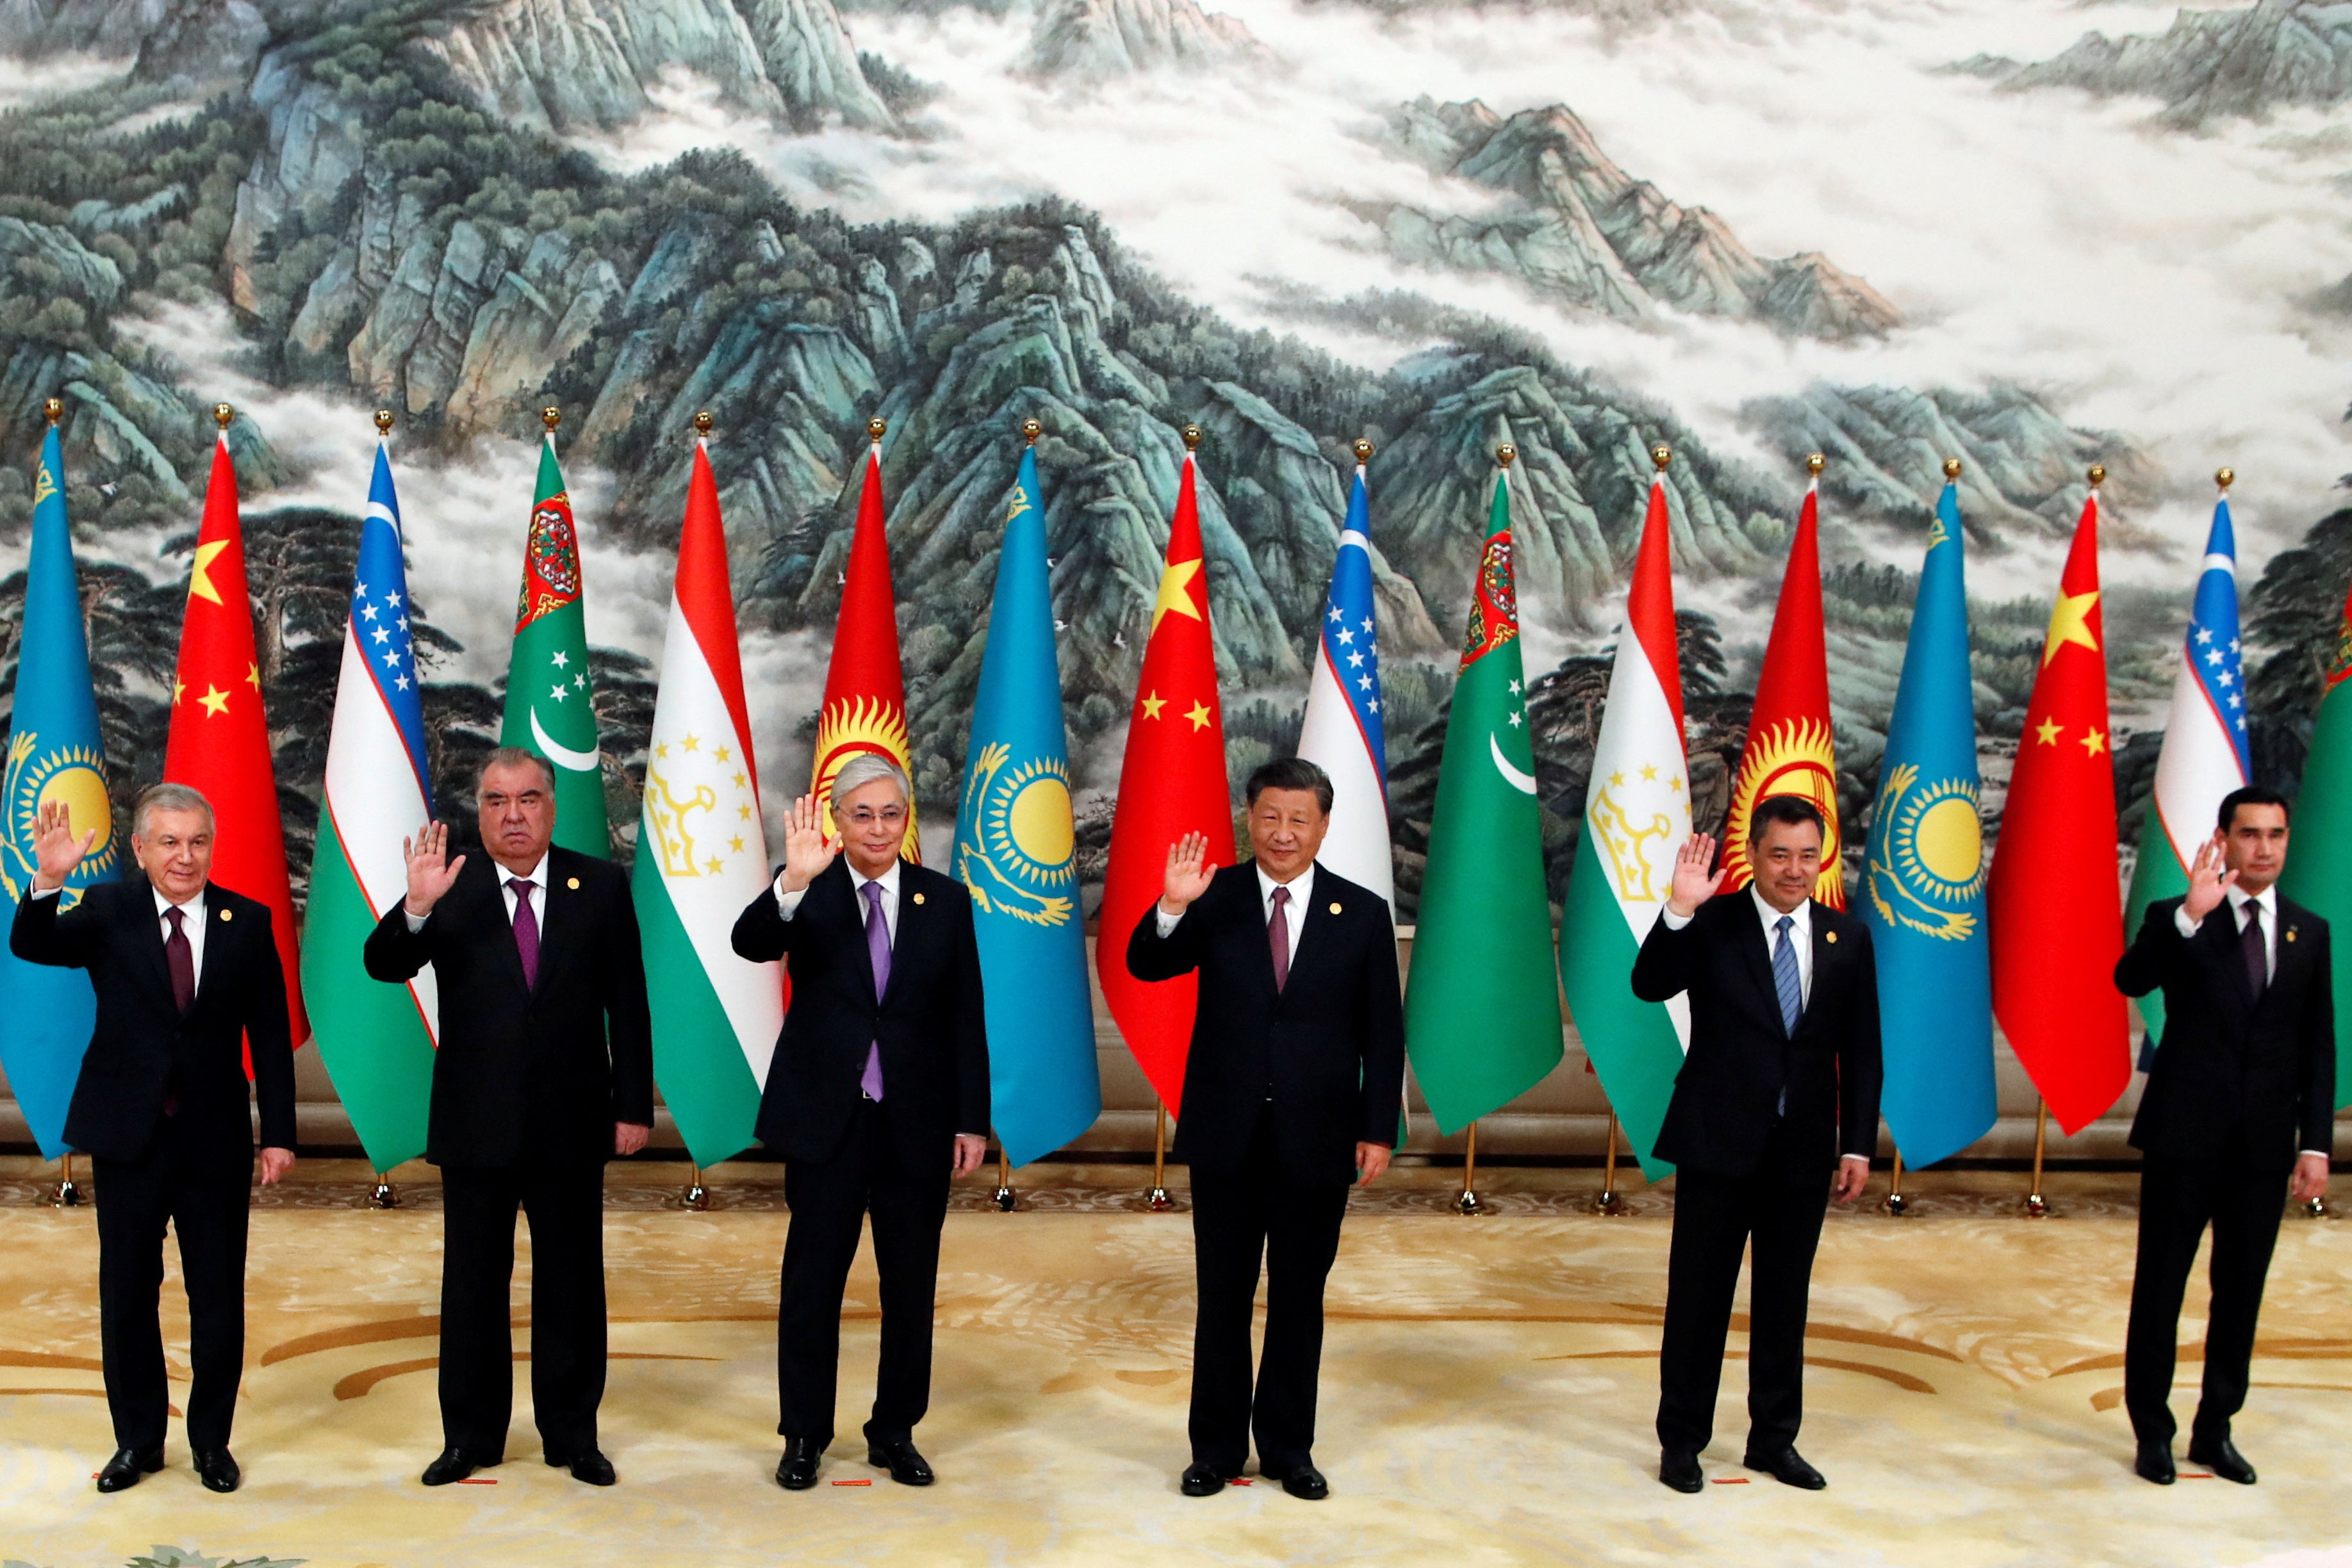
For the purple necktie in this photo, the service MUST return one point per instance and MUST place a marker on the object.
(878, 949)
(526, 926)
(1277, 932)
(181, 959)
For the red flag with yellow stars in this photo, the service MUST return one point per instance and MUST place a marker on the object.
(219, 744)
(2055, 906)
(1789, 749)
(1172, 783)
(865, 690)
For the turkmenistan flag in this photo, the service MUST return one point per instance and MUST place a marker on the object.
(1636, 816)
(1481, 1011)
(702, 856)
(551, 703)
(376, 1040)
(2319, 870)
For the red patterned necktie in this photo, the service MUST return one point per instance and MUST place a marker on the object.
(526, 930)
(181, 959)
(1277, 932)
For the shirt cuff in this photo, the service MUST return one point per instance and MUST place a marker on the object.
(49, 892)
(415, 921)
(1863, 1159)
(786, 903)
(2320, 1154)
(2182, 923)
(1167, 922)
(1676, 922)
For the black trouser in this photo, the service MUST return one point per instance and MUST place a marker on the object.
(565, 1204)
(830, 1202)
(2242, 1200)
(1779, 1208)
(204, 1194)
(1239, 1217)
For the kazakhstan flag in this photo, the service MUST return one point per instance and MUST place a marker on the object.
(1014, 850)
(1924, 880)
(54, 754)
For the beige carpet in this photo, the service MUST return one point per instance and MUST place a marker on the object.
(1488, 1386)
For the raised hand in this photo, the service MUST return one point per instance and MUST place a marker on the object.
(1188, 873)
(2208, 882)
(1694, 883)
(808, 850)
(55, 850)
(431, 873)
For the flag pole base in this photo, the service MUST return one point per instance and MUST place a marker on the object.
(1609, 1202)
(384, 1194)
(2036, 1207)
(1896, 1205)
(64, 1194)
(697, 1196)
(1158, 1201)
(2316, 1208)
(1469, 1204)
(1005, 1199)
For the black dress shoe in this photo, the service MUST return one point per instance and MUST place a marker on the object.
(899, 1457)
(588, 1465)
(123, 1471)
(796, 1471)
(1787, 1467)
(2221, 1457)
(217, 1469)
(1202, 1479)
(1304, 1481)
(2154, 1463)
(1678, 1469)
(455, 1465)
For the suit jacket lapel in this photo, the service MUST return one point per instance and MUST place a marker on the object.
(912, 917)
(217, 941)
(1824, 952)
(1314, 919)
(844, 889)
(1755, 941)
(558, 918)
(490, 884)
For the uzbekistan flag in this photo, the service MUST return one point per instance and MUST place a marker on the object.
(375, 1040)
(702, 855)
(1342, 732)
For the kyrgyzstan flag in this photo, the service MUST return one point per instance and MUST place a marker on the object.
(1789, 749)
(864, 690)
(219, 742)
(1172, 783)
(2055, 901)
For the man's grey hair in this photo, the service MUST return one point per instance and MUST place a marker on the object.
(517, 757)
(862, 770)
(166, 797)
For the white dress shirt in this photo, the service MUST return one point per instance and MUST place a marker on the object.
(1302, 892)
(787, 903)
(191, 923)
(2237, 898)
(536, 876)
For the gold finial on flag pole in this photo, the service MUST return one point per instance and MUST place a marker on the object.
(53, 409)
(2225, 477)
(1468, 1202)
(1608, 1202)
(1505, 453)
(222, 415)
(2036, 1205)
(1661, 455)
(1952, 469)
(1364, 450)
(1815, 463)
(1191, 434)
(2097, 475)
(702, 424)
(383, 422)
(1031, 428)
(877, 428)
(551, 416)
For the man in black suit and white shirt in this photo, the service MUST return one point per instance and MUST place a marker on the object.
(2241, 1100)
(1293, 1086)
(187, 974)
(1780, 1087)
(543, 1072)
(878, 1096)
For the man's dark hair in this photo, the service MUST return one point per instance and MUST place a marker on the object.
(517, 757)
(1790, 809)
(2251, 795)
(1290, 773)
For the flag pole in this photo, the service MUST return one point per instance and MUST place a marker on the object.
(1159, 1201)
(1896, 1204)
(1610, 1201)
(384, 1194)
(1468, 1202)
(1006, 1199)
(64, 1194)
(697, 1195)
(2036, 1205)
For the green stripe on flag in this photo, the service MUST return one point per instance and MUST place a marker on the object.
(705, 1079)
(2158, 874)
(1632, 1044)
(371, 1038)
(2320, 860)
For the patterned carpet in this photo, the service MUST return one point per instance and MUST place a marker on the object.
(1488, 1386)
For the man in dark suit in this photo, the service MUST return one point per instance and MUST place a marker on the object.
(2241, 1100)
(1293, 1086)
(544, 1071)
(187, 974)
(1780, 1088)
(876, 1097)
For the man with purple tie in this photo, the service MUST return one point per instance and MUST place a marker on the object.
(544, 1071)
(876, 1097)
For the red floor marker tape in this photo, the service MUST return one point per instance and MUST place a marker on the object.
(863, 1483)
(2195, 1475)
(477, 1481)
(1243, 1482)
(1731, 1480)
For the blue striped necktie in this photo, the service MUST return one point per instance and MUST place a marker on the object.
(1785, 980)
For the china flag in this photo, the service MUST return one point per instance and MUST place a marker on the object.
(2055, 900)
(219, 743)
(865, 688)
(1172, 783)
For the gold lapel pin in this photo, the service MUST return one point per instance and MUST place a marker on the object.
(1335, 906)
(919, 898)
(227, 913)
(1829, 935)
(572, 882)
(2290, 933)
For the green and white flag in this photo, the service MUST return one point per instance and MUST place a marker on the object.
(551, 703)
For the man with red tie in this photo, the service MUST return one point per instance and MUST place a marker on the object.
(544, 1071)
(187, 975)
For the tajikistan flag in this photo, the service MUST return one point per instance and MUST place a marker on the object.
(1636, 816)
(702, 856)
(2204, 756)
(375, 1040)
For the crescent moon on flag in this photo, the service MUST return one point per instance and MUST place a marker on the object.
(1525, 783)
(561, 756)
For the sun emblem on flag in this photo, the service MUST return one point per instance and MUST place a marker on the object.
(1794, 757)
(860, 723)
(72, 775)
(1022, 865)
(1927, 855)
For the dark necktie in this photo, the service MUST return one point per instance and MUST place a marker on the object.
(181, 959)
(1787, 983)
(1277, 932)
(526, 930)
(877, 952)
(2258, 963)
